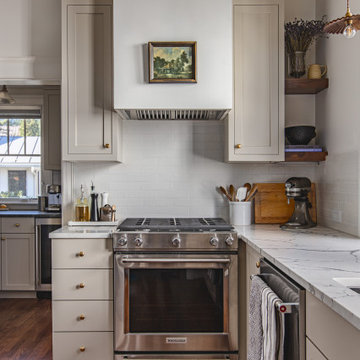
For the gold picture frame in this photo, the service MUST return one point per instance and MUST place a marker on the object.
(172, 61)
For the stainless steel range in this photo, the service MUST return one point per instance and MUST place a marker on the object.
(176, 289)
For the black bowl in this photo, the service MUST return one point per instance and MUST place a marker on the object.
(300, 135)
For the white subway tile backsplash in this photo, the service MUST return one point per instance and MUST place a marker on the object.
(173, 169)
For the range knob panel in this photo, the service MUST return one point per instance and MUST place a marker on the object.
(176, 241)
(214, 241)
(138, 241)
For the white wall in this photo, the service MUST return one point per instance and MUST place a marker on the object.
(338, 123)
(31, 41)
(173, 169)
(300, 109)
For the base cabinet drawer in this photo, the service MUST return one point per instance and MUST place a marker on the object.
(18, 225)
(312, 352)
(336, 338)
(82, 284)
(82, 253)
(84, 346)
(83, 315)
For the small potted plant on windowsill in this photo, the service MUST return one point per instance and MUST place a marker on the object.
(299, 35)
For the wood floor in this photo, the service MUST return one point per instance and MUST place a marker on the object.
(25, 329)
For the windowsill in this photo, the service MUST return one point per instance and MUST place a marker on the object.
(18, 201)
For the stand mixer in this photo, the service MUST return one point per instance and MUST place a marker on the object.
(297, 188)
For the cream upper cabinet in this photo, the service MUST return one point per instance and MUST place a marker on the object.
(52, 129)
(256, 123)
(90, 129)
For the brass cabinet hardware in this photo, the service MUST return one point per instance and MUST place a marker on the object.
(81, 285)
(3, 238)
(238, 146)
(258, 264)
(17, 225)
(82, 317)
(81, 254)
(107, 146)
(82, 348)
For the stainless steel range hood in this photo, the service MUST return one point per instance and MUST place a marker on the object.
(159, 114)
(209, 23)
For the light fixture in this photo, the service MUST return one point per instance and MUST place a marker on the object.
(348, 25)
(5, 98)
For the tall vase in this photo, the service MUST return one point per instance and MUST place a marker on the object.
(297, 64)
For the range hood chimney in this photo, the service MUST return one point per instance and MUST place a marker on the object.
(209, 23)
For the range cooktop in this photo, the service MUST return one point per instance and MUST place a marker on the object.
(174, 224)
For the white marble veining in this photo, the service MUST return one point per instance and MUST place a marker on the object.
(313, 258)
(81, 232)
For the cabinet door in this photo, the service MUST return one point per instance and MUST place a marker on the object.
(90, 129)
(312, 353)
(52, 129)
(18, 262)
(256, 124)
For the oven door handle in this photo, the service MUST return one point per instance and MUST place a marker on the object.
(172, 260)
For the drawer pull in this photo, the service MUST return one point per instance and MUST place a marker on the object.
(258, 264)
(17, 225)
(82, 348)
(82, 317)
(81, 285)
(3, 238)
(107, 146)
(238, 146)
(81, 254)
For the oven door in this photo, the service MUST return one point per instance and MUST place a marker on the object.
(176, 303)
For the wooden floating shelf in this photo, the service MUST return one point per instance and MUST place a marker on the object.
(302, 156)
(305, 86)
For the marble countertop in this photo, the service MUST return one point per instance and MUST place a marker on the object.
(313, 258)
(81, 232)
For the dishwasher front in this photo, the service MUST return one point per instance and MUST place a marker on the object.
(292, 306)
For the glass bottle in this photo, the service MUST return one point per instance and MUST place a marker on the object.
(82, 212)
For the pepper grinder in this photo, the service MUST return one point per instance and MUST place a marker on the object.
(94, 211)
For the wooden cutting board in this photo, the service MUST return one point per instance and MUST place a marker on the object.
(271, 206)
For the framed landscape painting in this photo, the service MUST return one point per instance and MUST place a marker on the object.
(172, 62)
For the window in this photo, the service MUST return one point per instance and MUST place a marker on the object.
(17, 183)
(20, 153)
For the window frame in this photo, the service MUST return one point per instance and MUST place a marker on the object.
(28, 102)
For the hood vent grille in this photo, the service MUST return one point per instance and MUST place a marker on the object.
(166, 114)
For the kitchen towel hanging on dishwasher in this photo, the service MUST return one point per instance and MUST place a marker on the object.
(266, 324)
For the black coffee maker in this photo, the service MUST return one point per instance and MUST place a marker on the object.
(298, 188)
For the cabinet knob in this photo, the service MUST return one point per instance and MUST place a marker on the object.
(81, 254)
(82, 317)
(17, 225)
(238, 146)
(107, 146)
(81, 285)
(3, 238)
(258, 264)
(82, 348)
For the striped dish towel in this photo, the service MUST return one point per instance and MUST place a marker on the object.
(272, 325)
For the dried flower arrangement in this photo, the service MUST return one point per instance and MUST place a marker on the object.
(299, 35)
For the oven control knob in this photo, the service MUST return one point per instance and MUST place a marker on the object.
(176, 242)
(122, 241)
(229, 240)
(214, 241)
(138, 241)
